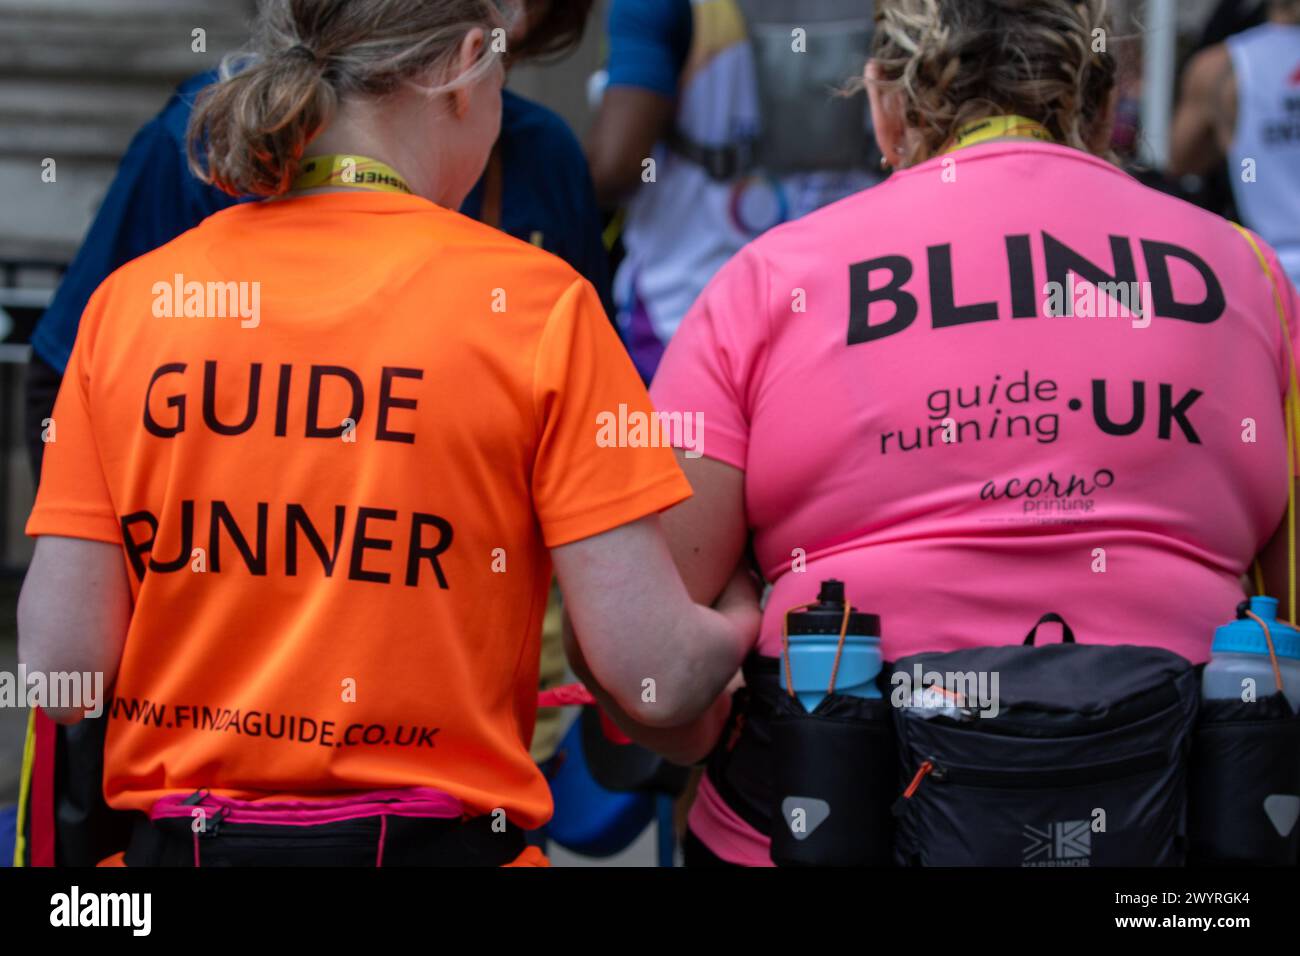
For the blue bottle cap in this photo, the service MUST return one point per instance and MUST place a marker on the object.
(1244, 636)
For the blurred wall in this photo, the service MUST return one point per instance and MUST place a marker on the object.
(77, 79)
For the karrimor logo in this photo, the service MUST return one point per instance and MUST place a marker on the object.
(182, 299)
(637, 429)
(1058, 844)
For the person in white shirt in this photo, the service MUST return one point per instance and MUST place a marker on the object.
(1241, 103)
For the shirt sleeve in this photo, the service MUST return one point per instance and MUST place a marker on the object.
(600, 463)
(713, 364)
(73, 499)
(649, 41)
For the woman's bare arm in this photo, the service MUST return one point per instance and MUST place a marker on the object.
(662, 658)
(73, 612)
(706, 536)
(708, 533)
(684, 744)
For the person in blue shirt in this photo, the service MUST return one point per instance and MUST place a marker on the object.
(545, 191)
(537, 188)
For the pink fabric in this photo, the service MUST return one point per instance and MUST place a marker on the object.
(723, 831)
(928, 537)
(566, 695)
(413, 802)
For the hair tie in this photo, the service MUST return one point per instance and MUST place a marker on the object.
(303, 52)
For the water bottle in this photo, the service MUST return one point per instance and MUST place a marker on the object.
(815, 636)
(1240, 651)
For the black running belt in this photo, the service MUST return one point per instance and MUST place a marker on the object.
(405, 841)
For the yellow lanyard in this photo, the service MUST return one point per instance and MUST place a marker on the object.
(355, 171)
(1292, 401)
(998, 127)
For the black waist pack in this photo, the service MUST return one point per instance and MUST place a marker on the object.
(1245, 784)
(363, 842)
(1053, 756)
(819, 785)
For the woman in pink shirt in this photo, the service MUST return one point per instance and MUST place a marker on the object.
(1010, 379)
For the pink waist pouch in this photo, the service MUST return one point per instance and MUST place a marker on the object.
(325, 826)
(414, 802)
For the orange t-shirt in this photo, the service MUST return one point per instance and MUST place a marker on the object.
(335, 502)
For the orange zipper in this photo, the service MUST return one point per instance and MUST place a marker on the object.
(923, 771)
(926, 768)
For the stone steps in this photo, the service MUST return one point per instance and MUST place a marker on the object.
(77, 80)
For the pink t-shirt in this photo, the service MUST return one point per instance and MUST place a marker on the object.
(915, 415)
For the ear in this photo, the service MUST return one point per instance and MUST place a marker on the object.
(471, 51)
(886, 115)
(1103, 129)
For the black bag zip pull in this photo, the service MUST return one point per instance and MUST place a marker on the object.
(195, 798)
(212, 825)
(927, 768)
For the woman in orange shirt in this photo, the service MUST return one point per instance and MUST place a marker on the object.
(312, 463)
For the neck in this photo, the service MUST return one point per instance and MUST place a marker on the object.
(373, 132)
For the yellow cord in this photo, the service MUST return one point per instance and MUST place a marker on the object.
(1292, 423)
(24, 790)
(1272, 651)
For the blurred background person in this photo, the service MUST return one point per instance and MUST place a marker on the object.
(718, 120)
(1241, 102)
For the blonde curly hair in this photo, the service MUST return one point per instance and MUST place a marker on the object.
(956, 61)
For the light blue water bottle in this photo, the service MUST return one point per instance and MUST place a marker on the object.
(814, 634)
(1240, 651)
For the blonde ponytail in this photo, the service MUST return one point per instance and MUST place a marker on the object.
(249, 131)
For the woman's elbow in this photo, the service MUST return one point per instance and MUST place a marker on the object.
(662, 708)
(63, 676)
